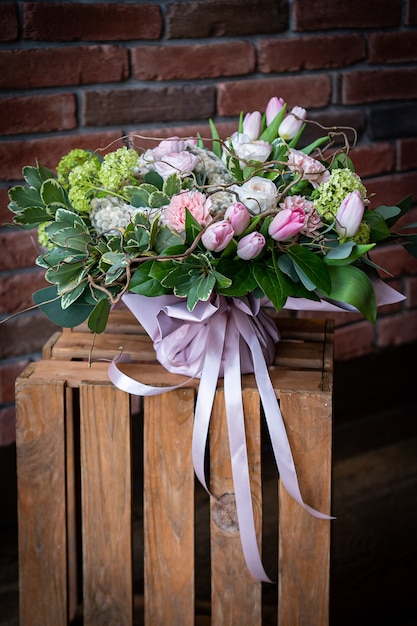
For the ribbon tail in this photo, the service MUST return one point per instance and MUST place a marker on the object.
(205, 397)
(239, 457)
(273, 416)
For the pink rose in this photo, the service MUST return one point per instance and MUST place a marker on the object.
(350, 214)
(217, 236)
(292, 123)
(239, 217)
(312, 170)
(286, 224)
(312, 221)
(196, 202)
(250, 246)
(181, 163)
(169, 146)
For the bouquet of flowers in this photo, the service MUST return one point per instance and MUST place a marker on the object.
(201, 238)
(255, 214)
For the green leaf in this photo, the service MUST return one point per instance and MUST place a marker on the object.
(217, 146)
(24, 197)
(167, 238)
(69, 297)
(315, 144)
(192, 227)
(378, 226)
(158, 199)
(154, 179)
(143, 283)
(53, 193)
(66, 276)
(97, 321)
(310, 268)
(31, 217)
(352, 286)
(241, 276)
(271, 132)
(172, 185)
(274, 284)
(404, 206)
(357, 251)
(388, 212)
(49, 303)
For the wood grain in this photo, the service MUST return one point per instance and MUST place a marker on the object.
(106, 505)
(169, 509)
(304, 541)
(40, 441)
(236, 597)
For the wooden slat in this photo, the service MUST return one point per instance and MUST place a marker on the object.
(236, 597)
(40, 441)
(72, 472)
(106, 505)
(169, 509)
(304, 541)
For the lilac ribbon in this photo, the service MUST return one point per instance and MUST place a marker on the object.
(221, 339)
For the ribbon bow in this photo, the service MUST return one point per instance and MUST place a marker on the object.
(226, 338)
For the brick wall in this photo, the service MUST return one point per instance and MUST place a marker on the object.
(85, 74)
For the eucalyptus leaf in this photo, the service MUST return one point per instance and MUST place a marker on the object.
(97, 321)
(48, 301)
(358, 251)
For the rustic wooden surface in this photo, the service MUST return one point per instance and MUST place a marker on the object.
(41, 502)
(106, 505)
(169, 509)
(303, 362)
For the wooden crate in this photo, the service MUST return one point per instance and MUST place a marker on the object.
(74, 452)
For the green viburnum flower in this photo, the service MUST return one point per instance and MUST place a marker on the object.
(73, 159)
(118, 168)
(43, 237)
(328, 196)
(363, 235)
(82, 180)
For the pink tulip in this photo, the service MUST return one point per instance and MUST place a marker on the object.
(273, 107)
(252, 125)
(217, 236)
(239, 217)
(291, 124)
(350, 214)
(286, 224)
(250, 246)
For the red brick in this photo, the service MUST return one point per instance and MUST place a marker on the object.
(25, 334)
(394, 259)
(373, 159)
(8, 374)
(328, 14)
(19, 249)
(392, 47)
(391, 189)
(7, 426)
(348, 122)
(318, 52)
(223, 18)
(411, 17)
(25, 69)
(376, 85)
(193, 61)
(395, 330)
(411, 292)
(75, 21)
(354, 340)
(407, 154)
(48, 150)
(9, 24)
(37, 113)
(16, 290)
(4, 211)
(136, 106)
(306, 91)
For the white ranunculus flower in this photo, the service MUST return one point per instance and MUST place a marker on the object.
(257, 194)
